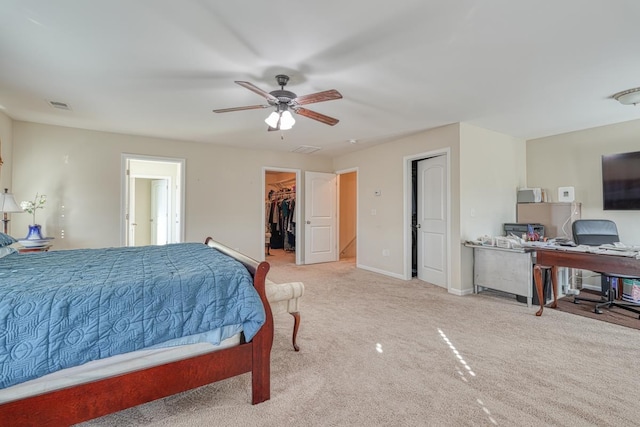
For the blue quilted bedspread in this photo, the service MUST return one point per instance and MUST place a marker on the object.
(65, 308)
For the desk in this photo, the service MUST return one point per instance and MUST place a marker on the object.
(554, 258)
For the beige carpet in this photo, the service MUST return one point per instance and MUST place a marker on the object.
(376, 351)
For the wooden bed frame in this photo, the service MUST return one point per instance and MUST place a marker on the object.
(94, 399)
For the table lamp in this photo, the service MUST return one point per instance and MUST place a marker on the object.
(8, 205)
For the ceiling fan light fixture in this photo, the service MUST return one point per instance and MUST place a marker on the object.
(284, 100)
(286, 120)
(272, 120)
(628, 97)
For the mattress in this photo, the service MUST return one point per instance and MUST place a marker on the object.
(65, 308)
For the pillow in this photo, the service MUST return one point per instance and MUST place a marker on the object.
(6, 240)
(6, 250)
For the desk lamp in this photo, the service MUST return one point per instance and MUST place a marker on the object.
(8, 205)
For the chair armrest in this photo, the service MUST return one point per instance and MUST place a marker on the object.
(284, 297)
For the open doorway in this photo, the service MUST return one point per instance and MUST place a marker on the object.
(428, 217)
(281, 216)
(348, 215)
(153, 200)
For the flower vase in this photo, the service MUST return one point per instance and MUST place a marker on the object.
(35, 232)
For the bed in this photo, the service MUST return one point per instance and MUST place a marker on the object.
(205, 349)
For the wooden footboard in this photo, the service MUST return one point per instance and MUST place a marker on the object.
(94, 399)
(263, 341)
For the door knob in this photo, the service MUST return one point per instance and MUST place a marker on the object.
(308, 222)
(418, 226)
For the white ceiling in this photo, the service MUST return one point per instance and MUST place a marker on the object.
(158, 67)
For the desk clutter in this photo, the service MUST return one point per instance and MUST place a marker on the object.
(615, 249)
(561, 244)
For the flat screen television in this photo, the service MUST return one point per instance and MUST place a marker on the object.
(621, 181)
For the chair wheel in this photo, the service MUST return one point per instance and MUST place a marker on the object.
(597, 310)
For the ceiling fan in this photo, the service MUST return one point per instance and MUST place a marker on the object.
(284, 102)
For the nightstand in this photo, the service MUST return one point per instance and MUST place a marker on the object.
(24, 250)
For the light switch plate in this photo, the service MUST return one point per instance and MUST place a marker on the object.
(566, 194)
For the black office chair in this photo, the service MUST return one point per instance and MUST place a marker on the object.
(596, 232)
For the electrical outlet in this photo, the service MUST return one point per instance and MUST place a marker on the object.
(385, 252)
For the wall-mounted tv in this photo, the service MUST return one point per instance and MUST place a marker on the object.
(621, 181)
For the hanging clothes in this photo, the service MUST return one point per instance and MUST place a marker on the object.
(280, 219)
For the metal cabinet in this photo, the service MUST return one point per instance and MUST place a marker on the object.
(506, 270)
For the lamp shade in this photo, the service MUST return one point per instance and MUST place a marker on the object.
(8, 203)
(286, 120)
(273, 119)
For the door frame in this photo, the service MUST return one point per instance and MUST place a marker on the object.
(298, 216)
(342, 172)
(125, 189)
(407, 191)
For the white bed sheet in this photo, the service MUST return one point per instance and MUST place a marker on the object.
(109, 367)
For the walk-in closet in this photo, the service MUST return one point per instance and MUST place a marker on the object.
(280, 216)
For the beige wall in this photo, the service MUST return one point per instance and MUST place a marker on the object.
(486, 168)
(574, 159)
(382, 168)
(492, 167)
(81, 169)
(6, 141)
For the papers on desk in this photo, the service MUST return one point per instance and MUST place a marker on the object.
(620, 247)
(616, 250)
(534, 244)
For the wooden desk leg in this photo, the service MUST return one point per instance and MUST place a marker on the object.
(537, 276)
(296, 324)
(554, 285)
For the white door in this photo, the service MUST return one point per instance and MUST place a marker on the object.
(320, 238)
(159, 212)
(432, 220)
(131, 212)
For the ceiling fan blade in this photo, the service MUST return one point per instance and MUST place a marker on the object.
(270, 129)
(316, 116)
(256, 89)
(327, 95)
(249, 107)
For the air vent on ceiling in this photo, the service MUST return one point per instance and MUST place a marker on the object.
(305, 149)
(59, 105)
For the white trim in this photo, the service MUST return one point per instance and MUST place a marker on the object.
(377, 270)
(299, 225)
(407, 187)
(460, 292)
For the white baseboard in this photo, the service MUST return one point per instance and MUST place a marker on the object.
(460, 292)
(377, 270)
